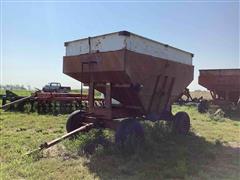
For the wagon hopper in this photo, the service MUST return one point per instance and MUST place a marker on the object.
(223, 84)
(143, 75)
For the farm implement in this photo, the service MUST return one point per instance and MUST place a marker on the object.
(186, 97)
(140, 79)
(143, 76)
(224, 86)
(45, 102)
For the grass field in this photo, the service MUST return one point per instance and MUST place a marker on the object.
(18, 92)
(211, 151)
(194, 94)
(28, 93)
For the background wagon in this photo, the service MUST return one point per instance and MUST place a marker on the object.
(223, 84)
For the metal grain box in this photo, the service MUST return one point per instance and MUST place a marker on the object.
(224, 84)
(143, 73)
(132, 42)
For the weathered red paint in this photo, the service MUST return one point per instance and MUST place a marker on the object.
(143, 84)
(224, 84)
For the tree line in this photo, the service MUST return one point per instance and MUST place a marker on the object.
(14, 87)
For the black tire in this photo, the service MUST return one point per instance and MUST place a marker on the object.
(181, 123)
(75, 120)
(129, 128)
(203, 106)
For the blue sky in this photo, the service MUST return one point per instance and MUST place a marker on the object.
(33, 33)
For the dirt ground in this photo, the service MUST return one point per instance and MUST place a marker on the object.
(198, 93)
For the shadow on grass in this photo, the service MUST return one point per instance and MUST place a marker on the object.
(162, 155)
(233, 114)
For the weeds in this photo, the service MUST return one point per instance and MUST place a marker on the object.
(175, 156)
(162, 155)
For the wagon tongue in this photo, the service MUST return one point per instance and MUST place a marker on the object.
(46, 145)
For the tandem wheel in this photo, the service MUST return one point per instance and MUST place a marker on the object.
(181, 123)
(203, 106)
(75, 120)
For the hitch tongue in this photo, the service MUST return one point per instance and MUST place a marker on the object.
(46, 145)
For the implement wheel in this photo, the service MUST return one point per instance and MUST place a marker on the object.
(127, 129)
(75, 120)
(203, 106)
(181, 123)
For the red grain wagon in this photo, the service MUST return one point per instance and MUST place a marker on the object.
(223, 84)
(143, 75)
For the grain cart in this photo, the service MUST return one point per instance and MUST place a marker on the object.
(223, 84)
(143, 75)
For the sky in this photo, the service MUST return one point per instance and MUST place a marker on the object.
(33, 33)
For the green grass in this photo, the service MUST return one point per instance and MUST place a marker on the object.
(211, 151)
(28, 93)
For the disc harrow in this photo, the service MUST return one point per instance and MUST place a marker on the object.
(46, 102)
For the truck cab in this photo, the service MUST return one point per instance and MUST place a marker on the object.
(55, 87)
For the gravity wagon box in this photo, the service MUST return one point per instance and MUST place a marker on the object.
(143, 75)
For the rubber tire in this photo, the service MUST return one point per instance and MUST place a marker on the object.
(128, 128)
(181, 123)
(75, 120)
(203, 106)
